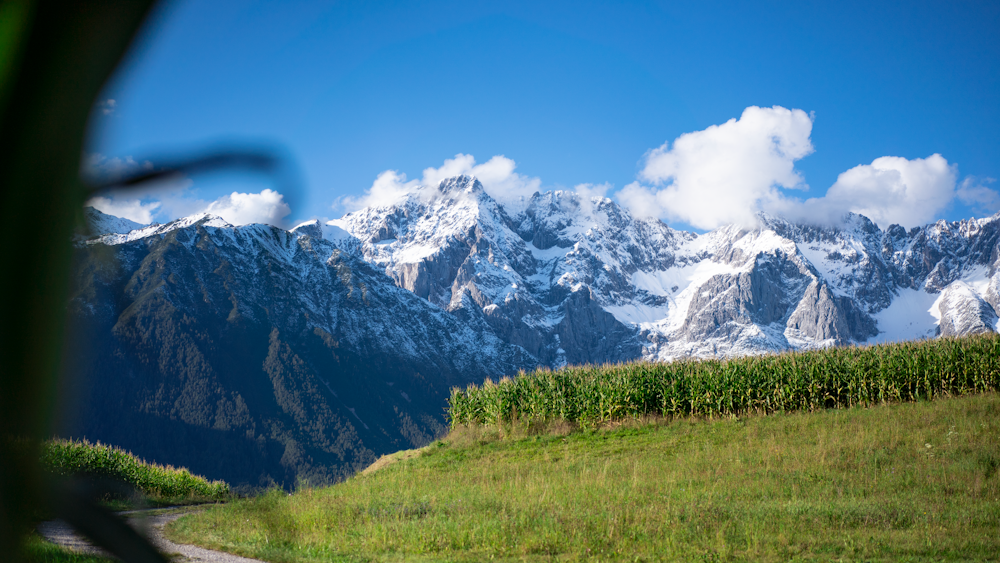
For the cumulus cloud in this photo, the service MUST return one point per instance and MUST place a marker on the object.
(171, 197)
(134, 205)
(131, 208)
(588, 191)
(237, 208)
(388, 187)
(890, 190)
(725, 173)
(496, 174)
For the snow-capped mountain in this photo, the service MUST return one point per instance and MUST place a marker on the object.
(306, 353)
(259, 355)
(574, 279)
(100, 223)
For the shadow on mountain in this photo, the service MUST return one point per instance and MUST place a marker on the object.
(238, 354)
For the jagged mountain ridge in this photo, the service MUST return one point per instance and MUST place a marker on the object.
(259, 355)
(100, 223)
(636, 288)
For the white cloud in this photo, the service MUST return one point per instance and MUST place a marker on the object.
(588, 191)
(975, 194)
(890, 190)
(237, 208)
(132, 209)
(724, 173)
(387, 188)
(129, 204)
(141, 203)
(727, 173)
(496, 174)
(894, 190)
(170, 198)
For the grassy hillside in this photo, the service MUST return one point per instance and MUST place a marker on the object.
(829, 378)
(157, 484)
(915, 481)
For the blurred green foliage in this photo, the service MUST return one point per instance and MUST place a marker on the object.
(55, 57)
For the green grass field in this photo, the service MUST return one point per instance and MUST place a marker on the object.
(901, 482)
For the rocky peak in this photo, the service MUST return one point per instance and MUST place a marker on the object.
(665, 293)
(738, 289)
(310, 228)
(458, 186)
(100, 223)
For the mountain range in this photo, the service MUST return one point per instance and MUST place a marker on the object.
(573, 279)
(262, 355)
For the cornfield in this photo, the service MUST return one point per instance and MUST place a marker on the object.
(821, 379)
(70, 457)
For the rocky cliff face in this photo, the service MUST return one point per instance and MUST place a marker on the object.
(575, 280)
(98, 223)
(304, 354)
(259, 355)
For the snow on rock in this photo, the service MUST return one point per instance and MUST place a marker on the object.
(101, 223)
(912, 315)
(657, 293)
(202, 219)
(374, 318)
(573, 279)
(963, 311)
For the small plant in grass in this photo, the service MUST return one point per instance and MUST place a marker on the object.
(158, 483)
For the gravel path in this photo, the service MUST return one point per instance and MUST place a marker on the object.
(151, 525)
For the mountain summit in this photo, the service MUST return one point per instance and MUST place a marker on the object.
(261, 356)
(573, 279)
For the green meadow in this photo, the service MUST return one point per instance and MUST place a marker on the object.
(897, 482)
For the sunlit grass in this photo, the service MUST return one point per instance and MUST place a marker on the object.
(915, 481)
(158, 484)
(37, 550)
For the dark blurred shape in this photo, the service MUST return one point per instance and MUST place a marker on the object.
(55, 58)
(267, 160)
(77, 502)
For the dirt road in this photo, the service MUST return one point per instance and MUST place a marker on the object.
(152, 524)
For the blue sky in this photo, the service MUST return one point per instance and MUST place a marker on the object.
(574, 93)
